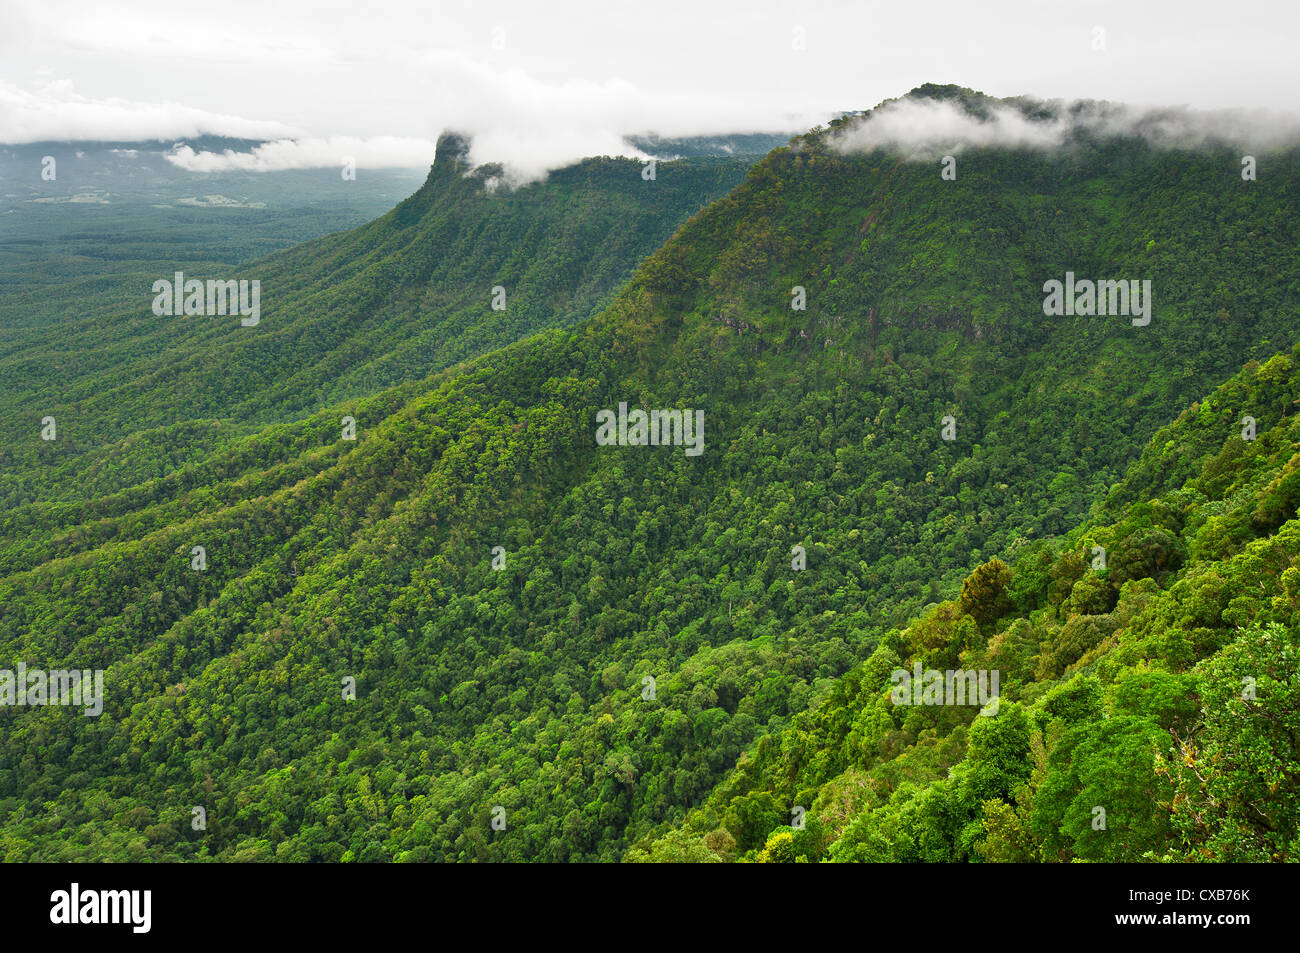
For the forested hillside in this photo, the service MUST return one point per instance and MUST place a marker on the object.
(1154, 689)
(560, 648)
(136, 395)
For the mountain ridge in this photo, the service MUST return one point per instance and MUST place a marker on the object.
(523, 688)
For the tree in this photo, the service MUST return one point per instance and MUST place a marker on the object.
(984, 594)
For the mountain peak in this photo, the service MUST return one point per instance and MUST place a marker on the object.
(452, 150)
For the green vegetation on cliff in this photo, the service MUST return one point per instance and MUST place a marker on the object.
(648, 626)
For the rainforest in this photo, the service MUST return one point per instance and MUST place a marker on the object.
(449, 610)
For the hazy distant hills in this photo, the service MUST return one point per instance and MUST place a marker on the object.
(665, 147)
(119, 172)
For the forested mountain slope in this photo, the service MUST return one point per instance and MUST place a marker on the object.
(1149, 703)
(135, 395)
(519, 693)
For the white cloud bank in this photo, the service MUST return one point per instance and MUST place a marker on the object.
(510, 117)
(311, 153)
(56, 112)
(536, 86)
(920, 127)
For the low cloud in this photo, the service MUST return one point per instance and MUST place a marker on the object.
(921, 127)
(311, 153)
(529, 155)
(928, 125)
(527, 124)
(532, 126)
(56, 112)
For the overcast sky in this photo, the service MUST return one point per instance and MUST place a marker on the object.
(542, 81)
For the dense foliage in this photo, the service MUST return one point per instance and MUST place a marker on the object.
(1161, 688)
(345, 316)
(521, 692)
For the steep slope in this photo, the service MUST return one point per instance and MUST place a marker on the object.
(522, 686)
(1148, 706)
